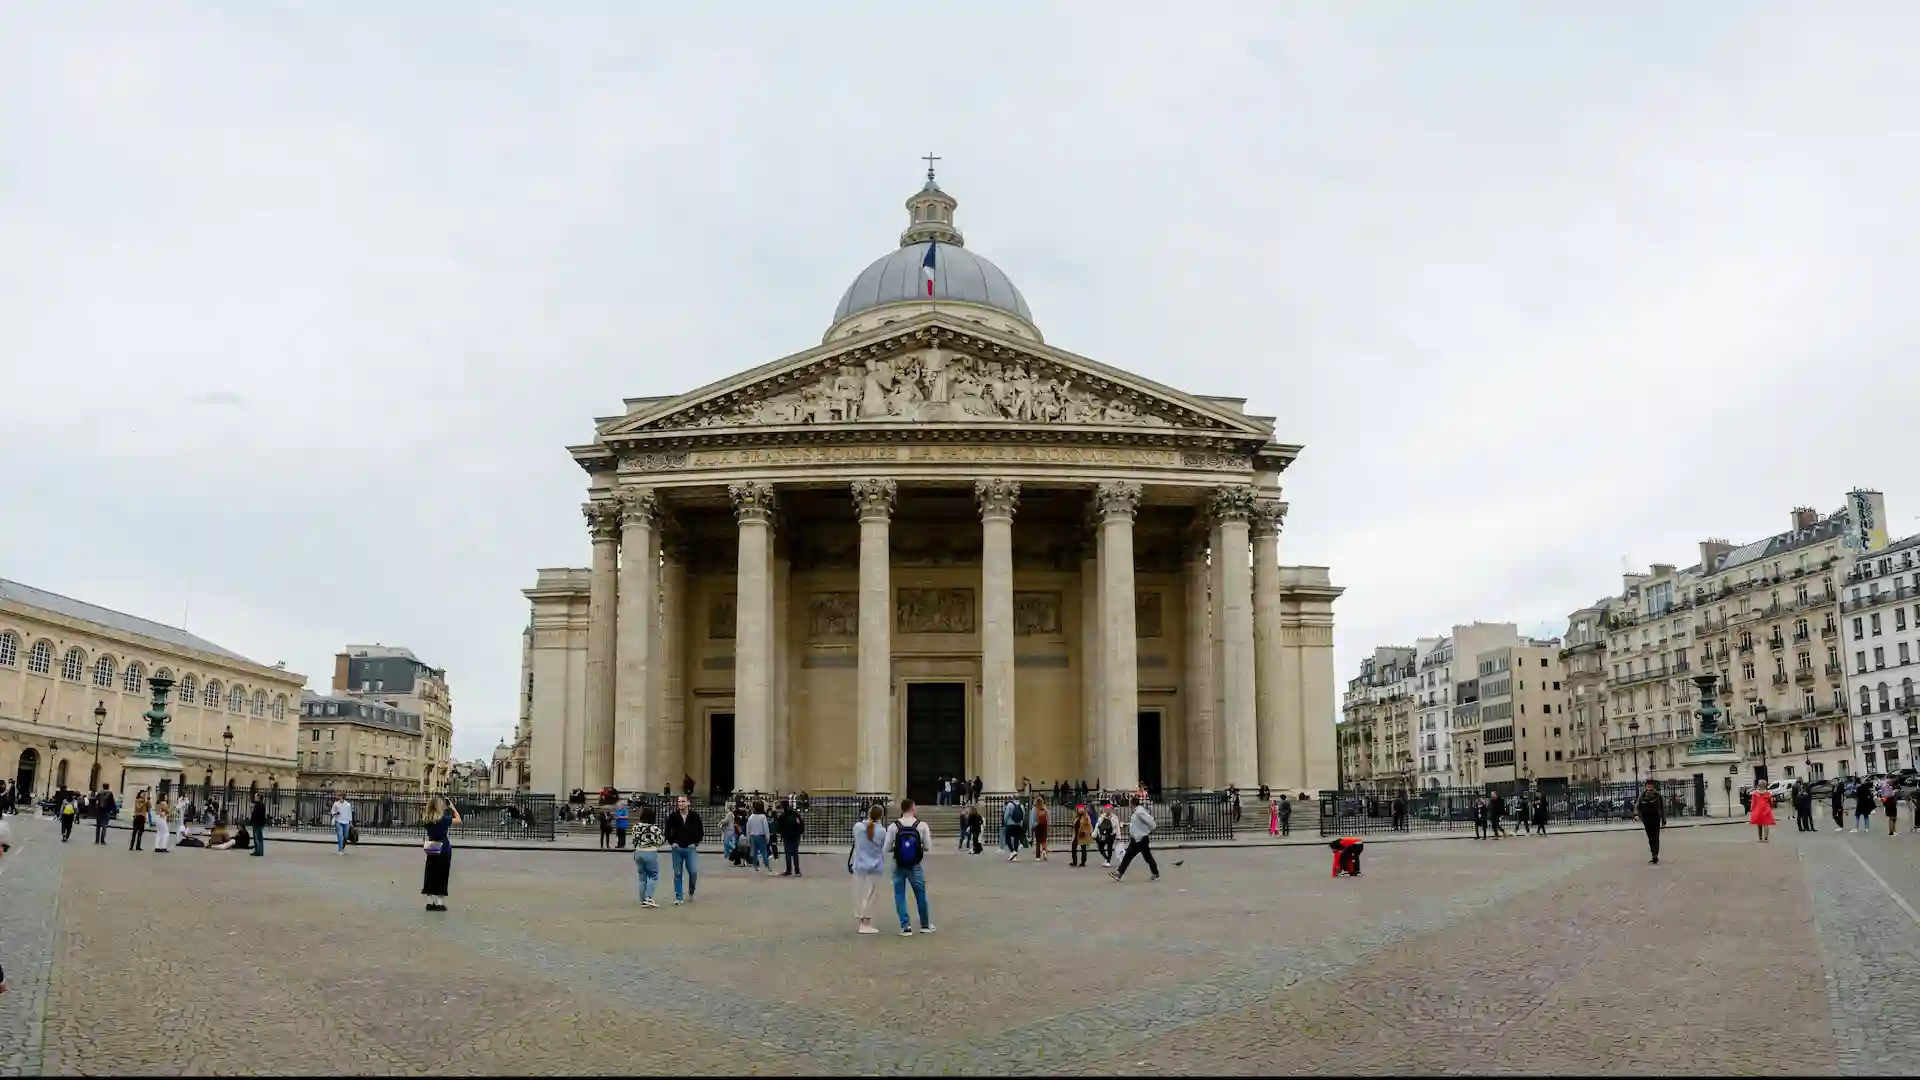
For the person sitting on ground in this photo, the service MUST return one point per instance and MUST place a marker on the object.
(221, 839)
(190, 837)
(242, 840)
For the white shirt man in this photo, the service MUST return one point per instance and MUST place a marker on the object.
(342, 815)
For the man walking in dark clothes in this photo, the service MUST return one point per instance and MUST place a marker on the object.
(1652, 811)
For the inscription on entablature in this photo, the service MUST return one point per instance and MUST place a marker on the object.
(933, 611)
(933, 453)
(1036, 613)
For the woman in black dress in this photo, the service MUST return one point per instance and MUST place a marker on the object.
(440, 820)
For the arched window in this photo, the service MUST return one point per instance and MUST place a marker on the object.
(280, 707)
(236, 698)
(1881, 692)
(74, 663)
(189, 690)
(135, 680)
(103, 671)
(211, 696)
(60, 774)
(259, 703)
(40, 660)
(9, 649)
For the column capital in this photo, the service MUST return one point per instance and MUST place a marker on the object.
(603, 519)
(1268, 517)
(638, 506)
(1234, 502)
(874, 498)
(1115, 500)
(997, 498)
(753, 500)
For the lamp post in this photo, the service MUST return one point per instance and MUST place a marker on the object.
(1634, 726)
(1760, 712)
(226, 770)
(99, 723)
(389, 772)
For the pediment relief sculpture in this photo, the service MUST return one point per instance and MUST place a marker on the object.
(935, 385)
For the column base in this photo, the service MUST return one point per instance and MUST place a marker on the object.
(145, 774)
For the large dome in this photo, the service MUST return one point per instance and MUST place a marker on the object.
(958, 274)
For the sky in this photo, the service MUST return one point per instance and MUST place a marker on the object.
(299, 306)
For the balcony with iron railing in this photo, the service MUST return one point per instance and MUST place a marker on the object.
(1780, 678)
(1803, 675)
(1900, 591)
(1801, 637)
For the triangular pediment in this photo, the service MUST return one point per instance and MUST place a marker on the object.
(935, 370)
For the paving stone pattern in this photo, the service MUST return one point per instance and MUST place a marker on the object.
(1564, 954)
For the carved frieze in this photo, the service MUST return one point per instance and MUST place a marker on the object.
(1036, 614)
(1146, 614)
(1195, 459)
(720, 615)
(653, 461)
(833, 616)
(933, 611)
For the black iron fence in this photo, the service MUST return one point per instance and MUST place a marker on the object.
(498, 817)
(1346, 813)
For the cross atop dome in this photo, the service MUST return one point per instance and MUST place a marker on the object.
(930, 214)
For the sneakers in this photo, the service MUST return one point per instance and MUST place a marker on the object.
(648, 903)
(1013, 856)
(906, 931)
(926, 929)
(1114, 874)
(677, 901)
(868, 929)
(1156, 877)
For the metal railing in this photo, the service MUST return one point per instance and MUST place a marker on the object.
(1452, 809)
(499, 817)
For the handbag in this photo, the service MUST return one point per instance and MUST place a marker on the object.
(849, 860)
(433, 847)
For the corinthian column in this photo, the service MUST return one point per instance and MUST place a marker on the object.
(669, 761)
(753, 652)
(997, 499)
(1202, 762)
(873, 501)
(1270, 687)
(1093, 697)
(596, 758)
(1232, 506)
(1119, 663)
(639, 567)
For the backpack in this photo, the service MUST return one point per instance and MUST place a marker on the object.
(1106, 826)
(1019, 817)
(906, 844)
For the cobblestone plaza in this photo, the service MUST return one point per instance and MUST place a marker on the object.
(1558, 955)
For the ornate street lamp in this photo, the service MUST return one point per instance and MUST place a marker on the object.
(1760, 712)
(99, 723)
(1634, 726)
(226, 770)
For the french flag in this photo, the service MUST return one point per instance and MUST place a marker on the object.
(926, 264)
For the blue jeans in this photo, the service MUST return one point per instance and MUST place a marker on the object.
(260, 840)
(648, 864)
(917, 877)
(685, 856)
(760, 856)
(340, 835)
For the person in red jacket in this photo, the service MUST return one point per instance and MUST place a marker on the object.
(1346, 855)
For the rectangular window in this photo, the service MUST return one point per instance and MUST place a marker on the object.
(1879, 656)
(1875, 621)
(1860, 660)
(1858, 628)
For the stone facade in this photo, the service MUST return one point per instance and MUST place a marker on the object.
(932, 546)
(60, 659)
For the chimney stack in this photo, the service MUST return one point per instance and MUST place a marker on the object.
(1804, 518)
(1711, 549)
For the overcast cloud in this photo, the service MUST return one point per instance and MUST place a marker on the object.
(299, 305)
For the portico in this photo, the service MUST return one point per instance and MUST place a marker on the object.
(934, 545)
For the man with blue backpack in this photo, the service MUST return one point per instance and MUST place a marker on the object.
(1013, 824)
(907, 841)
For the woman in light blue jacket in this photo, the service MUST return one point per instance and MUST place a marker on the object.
(868, 859)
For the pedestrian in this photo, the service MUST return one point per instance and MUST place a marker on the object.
(791, 827)
(758, 832)
(684, 832)
(1139, 836)
(258, 819)
(1913, 809)
(1760, 811)
(966, 821)
(976, 824)
(1273, 817)
(341, 813)
(1082, 836)
(1012, 821)
(605, 820)
(1802, 807)
(103, 811)
(1539, 816)
(1651, 809)
(69, 810)
(1838, 798)
(1496, 811)
(907, 841)
(158, 819)
(730, 838)
(648, 839)
(1862, 805)
(1520, 810)
(1286, 816)
(440, 820)
(1890, 801)
(1346, 855)
(620, 823)
(1040, 823)
(1106, 834)
(141, 808)
(867, 859)
(1399, 813)
(1746, 800)
(1479, 819)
